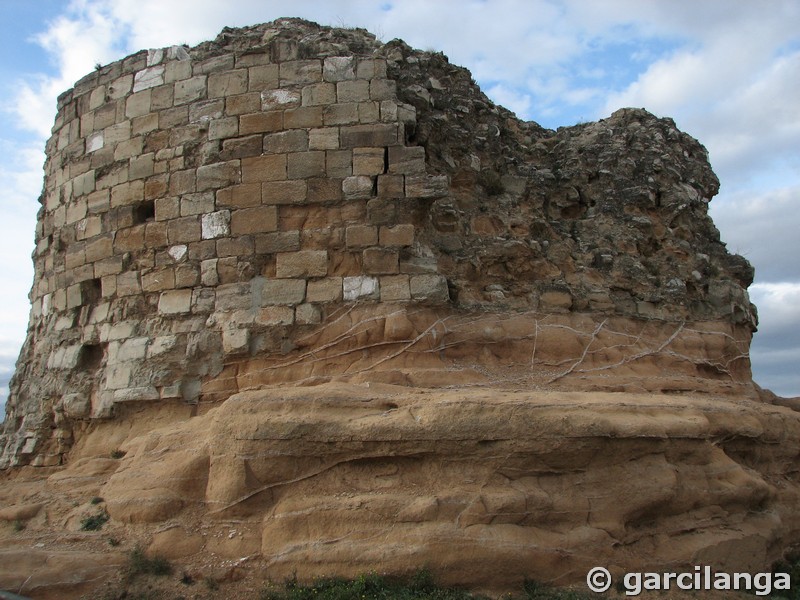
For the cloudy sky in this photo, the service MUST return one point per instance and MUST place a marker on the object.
(727, 71)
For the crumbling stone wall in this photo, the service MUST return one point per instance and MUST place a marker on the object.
(207, 204)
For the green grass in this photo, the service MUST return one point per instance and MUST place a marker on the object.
(141, 564)
(94, 522)
(368, 587)
(419, 587)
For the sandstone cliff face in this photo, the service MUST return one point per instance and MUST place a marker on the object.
(290, 189)
(475, 322)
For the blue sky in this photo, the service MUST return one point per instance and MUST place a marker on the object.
(727, 71)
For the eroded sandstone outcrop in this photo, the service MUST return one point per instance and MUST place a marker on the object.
(299, 206)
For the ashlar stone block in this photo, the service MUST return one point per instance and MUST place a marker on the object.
(305, 263)
(430, 289)
(175, 302)
(283, 292)
(216, 224)
(357, 187)
(360, 287)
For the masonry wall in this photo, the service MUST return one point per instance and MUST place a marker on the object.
(191, 200)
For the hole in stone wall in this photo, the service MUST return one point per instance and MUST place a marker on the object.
(90, 356)
(386, 159)
(91, 292)
(144, 212)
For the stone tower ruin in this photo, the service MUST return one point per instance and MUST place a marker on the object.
(297, 204)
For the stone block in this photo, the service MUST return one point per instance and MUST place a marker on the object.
(391, 186)
(186, 276)
(371, 68)
(282, 241)
(284, 192)
(303, 117)
(324, 190)
(318, 94)
(368, 161)
(381, 261)
(167, 208)
(339, 68)
(136, 394)
(275, 100)
(352, 91)
(398, 235)
(242, 104)
(206, 111)
(224, 128)
(339, 163)
(127, 284)
(219, 175)
(161, 98)
(305, 263)
(243, 147)
(138, 104)
(208, 272)
(328, 289)
(308, 314)
(368, 112)
(361, 236)
(144, 79)
(263, 122)
(216, 224)
(227, 83)
(296, 72)
(326, 138)
(340, 114)
(183, 230)
(99, 248)
(357, 187)
(215, 64)
(360, 287)
(395, 288)
(141, 166)
(94, 142)
(283, 292)
(155, 234)
(258, 219)
(377, 134)
(264, 168)
(407, 160)
(127, 194)
(239, 196)
(182, 182)
(175, 302)
(426, 186)
(431, 289)
(232, 296)
(235, 341)
(295, 140)
(382, 89)
(76, 405)
(190, 90)
(131, 349)
(301, 165)
(263, 77)
(275, 316)
(157, 281)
